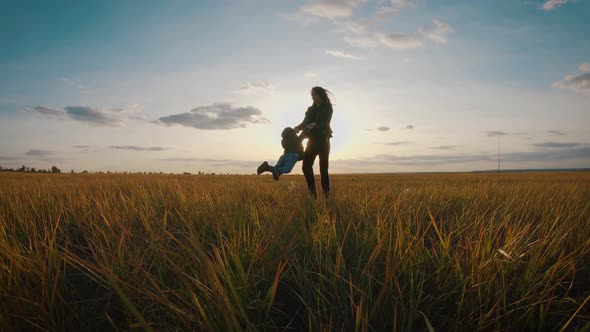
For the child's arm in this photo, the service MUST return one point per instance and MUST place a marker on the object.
(305, 132)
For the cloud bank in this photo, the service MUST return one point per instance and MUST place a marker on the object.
(398, 143)
(368, 35)
(219, 116)
(38, 153)
(493, 133)
(212, 162)
(87, 114)
(137, 148)
(556, 145)
(446, 159)
(444, 147)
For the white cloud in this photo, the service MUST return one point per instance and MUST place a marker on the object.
(331, 9)
(438, 34)
(398, 40)
(310, 74)
(578, 82)
(403, 3)
(355, 28)
(73, 83)
(385, 12)
(361, 42)
(362, 34)
(256, 87)
(552, 4)
(394, 8)
(343, 55)
(299, 16)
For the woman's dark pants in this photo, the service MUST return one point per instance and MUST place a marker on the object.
(321, 148)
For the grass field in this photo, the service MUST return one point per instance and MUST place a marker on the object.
(455, 252)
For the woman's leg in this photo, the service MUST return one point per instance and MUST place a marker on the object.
(324, 153)
(308, 160)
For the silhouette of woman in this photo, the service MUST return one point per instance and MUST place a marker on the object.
(317, 120)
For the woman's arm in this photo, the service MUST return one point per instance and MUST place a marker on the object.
(307, 120)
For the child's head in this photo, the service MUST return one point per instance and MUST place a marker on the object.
(288, 133)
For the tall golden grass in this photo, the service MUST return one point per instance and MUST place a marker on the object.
(450, 252)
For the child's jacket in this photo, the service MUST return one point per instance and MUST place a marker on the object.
(291, 142)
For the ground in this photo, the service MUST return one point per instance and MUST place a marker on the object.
(477, 252)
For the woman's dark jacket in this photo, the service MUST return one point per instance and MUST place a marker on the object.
(321, 115)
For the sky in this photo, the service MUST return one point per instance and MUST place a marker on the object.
(188, 86)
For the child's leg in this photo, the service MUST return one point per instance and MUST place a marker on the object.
(286, 162)
(281, 164)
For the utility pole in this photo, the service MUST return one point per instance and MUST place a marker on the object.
(499, 158)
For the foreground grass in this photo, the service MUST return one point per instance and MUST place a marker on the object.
(385, 252)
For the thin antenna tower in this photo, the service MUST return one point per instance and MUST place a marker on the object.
(499, 158)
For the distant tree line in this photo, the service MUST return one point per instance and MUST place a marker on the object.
(54, 169)
(25, 169)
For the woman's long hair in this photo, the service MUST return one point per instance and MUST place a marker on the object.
(323, 93)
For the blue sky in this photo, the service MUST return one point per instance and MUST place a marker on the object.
(417, 85)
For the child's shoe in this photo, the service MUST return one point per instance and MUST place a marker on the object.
(262, 168)
(275, 174)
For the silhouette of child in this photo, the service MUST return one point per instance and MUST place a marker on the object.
(293, 152)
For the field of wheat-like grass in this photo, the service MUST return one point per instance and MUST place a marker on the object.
(453, 252)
